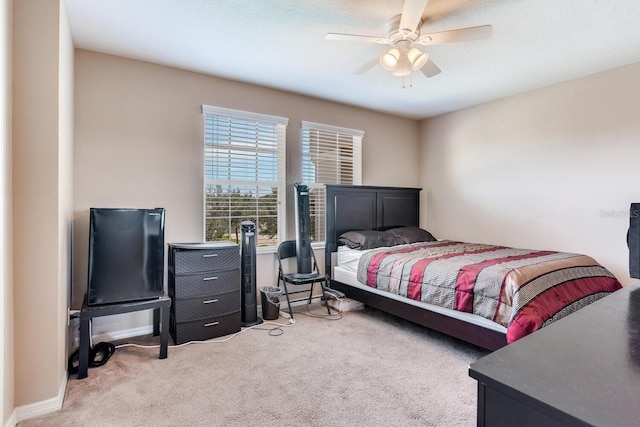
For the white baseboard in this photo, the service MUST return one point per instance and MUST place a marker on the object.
(116, 335)
(22, 413)
(12, 420)
(127, 333)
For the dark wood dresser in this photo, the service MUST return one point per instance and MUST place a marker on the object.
(204, 286)
(583, 370)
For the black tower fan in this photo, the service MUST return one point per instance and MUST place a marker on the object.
(633, 240)
(248, 274)
(303, 231)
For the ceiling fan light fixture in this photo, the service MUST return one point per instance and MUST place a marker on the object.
(417, 58)
(389, 60)
(402, 69)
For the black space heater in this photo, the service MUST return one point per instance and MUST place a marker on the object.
(303, 231)
(248, 274)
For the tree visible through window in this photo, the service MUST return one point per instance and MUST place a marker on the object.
(330, 155)
(244, 174)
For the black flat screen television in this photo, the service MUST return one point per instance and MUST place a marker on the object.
(126, 255)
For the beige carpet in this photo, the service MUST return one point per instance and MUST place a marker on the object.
(368, 368)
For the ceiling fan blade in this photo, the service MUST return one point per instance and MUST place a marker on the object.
(357, 38)
(430, 69)
(459, 35)
(367, 66)
(412, 14)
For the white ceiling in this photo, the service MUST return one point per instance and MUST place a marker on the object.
(281, 44)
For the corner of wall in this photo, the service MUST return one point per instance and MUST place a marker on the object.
(37, 409)
(42, 118)
(7, 410)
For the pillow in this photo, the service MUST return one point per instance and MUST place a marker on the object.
(410, 234)
(367, 239)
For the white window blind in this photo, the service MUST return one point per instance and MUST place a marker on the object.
(244, 174)
(330, 155)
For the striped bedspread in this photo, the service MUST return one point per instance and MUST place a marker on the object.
(520, 289)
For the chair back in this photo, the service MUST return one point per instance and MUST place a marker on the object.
(287, 249)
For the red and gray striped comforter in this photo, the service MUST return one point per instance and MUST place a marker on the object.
(520, 289)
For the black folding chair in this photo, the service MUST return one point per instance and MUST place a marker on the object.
(287, 250)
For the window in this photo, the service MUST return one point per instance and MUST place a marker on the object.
(244, 174)
(330, 155)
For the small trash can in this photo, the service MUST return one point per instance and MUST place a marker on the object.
(270, 296)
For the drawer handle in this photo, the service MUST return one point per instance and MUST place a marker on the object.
(206, 325)
(209, 255)
(210, 301)
(209, 278)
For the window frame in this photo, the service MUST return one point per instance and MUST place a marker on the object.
(356, 157)
(280, 124)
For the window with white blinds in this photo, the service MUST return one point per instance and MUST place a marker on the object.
(244, 174)
(330, 155)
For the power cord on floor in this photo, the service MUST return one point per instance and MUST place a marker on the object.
(279, 327)
(330, 316)
(276, 331)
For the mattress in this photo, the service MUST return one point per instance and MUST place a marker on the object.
(520, 289)
(346, 272)
(348, 259)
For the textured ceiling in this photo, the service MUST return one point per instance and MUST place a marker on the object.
(281, 44)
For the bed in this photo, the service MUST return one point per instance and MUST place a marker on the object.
(487, 295)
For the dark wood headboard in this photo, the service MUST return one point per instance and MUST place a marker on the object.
(361, 207)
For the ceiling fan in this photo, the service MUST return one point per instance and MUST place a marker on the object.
(403, 34)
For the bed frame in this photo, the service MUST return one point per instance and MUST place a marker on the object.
(353, 207)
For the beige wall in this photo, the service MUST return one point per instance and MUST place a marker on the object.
(555, 168)
(6, 294)
(139, 143)
(65, 180)
(42, 194)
